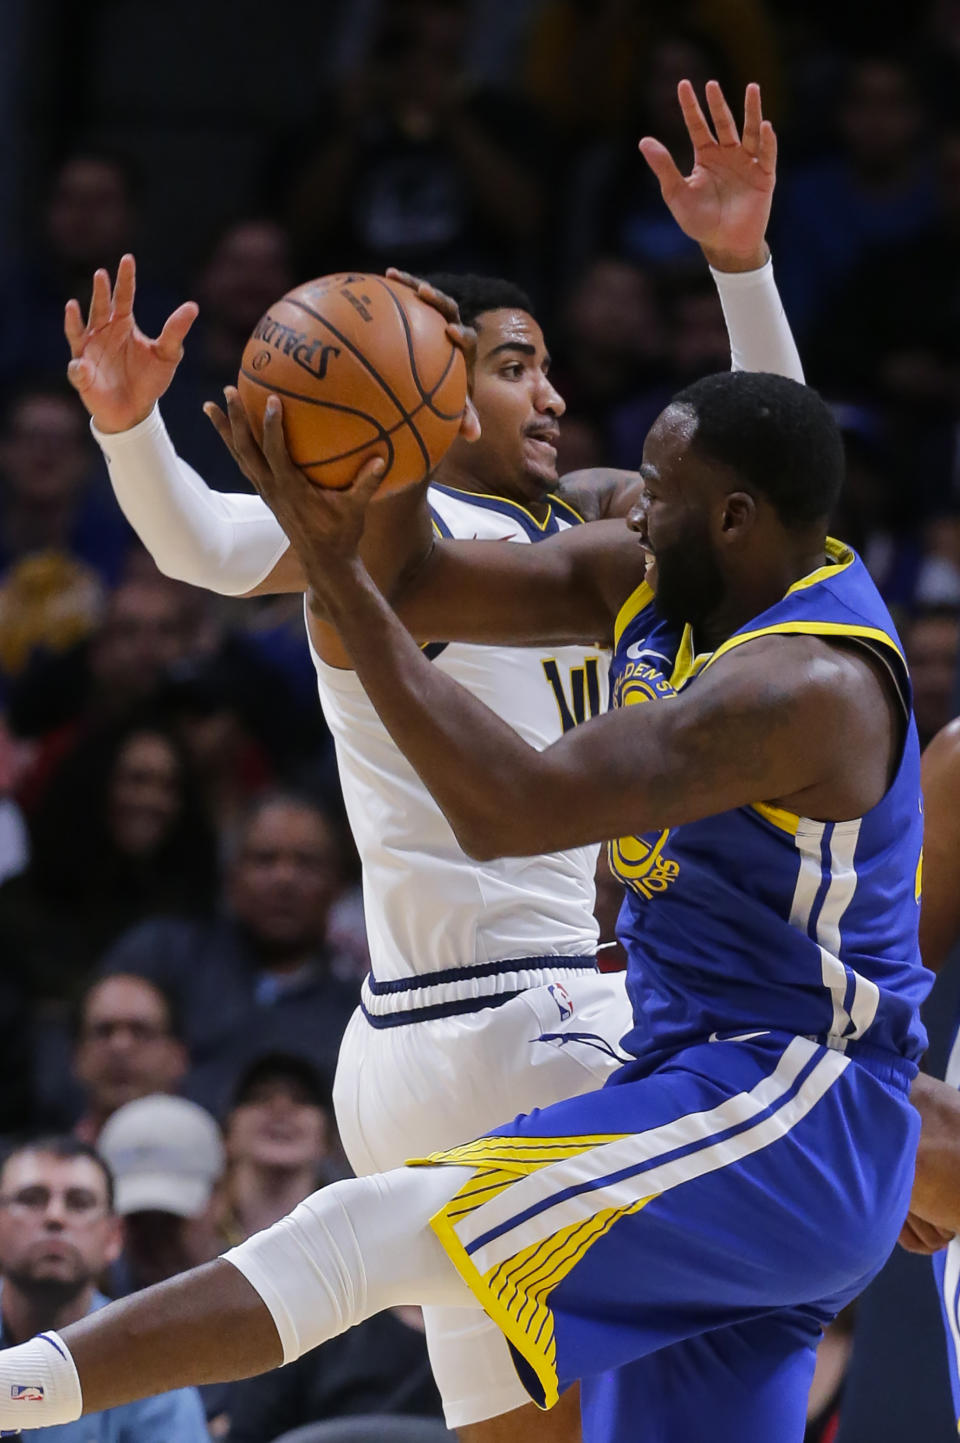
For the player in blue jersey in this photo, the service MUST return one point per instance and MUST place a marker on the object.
(679, 1239)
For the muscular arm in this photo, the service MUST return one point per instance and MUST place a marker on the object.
(748, 731)
(565, 590)
(940, 907)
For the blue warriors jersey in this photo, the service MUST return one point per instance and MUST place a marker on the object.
(757, 918)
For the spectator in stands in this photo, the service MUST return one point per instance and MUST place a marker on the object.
(931, 643)
(417, 169)
(880, 190)
(248, 268)
(58, 1231)
(150, 626)
(120, 835)
(128, 1045)
(264, 966)
(89, 219)
(612, 338)
(278, 1136)
(279, 1140)
(53, 497)
(167, 1157)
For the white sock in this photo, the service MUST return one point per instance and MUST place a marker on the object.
(39, 1385)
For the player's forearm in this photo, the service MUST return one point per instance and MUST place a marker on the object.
(224, 543)
(760, 335)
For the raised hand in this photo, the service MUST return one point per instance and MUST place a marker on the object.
(724, 203)
(118, 372)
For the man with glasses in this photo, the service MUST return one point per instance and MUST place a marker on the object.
(58, 1231)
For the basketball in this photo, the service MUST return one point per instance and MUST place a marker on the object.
(364, 368)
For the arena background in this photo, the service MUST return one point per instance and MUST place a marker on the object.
(238, 148)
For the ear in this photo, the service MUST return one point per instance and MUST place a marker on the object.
(739, 515)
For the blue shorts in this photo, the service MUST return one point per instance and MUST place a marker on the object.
(679, 1239)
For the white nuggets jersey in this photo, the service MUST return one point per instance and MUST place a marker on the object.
(430, 908)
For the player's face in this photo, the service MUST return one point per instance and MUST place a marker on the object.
(673, 520)
(56, 1229)
(519, 409)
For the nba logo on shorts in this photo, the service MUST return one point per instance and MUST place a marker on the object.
(26, 1393)
(562, 998)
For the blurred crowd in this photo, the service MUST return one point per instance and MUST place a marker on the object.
(181, 922)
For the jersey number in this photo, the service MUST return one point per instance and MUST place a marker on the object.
(584, 700)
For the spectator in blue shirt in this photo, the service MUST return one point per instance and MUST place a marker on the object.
(58, 1231)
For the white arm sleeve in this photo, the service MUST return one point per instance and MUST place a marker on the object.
(760, 335)
(225, 543)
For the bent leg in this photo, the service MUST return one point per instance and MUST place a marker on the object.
(349, 1251)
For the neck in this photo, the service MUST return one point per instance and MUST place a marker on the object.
(454, 473)
(25, 1315)
(260, 1196)
(752, 594)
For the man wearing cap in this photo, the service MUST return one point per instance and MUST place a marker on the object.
(58, 1231)
(167, 1156)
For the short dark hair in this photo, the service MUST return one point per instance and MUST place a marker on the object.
(62, 1145)
(171, 1002)
(779, 436)
(476, 294)
(291, 1067)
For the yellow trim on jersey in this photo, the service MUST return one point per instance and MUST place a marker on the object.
(779, 816)
(808, 628)
(634, 604)
(840, 556)
(514, 1293)
(918, 879)
(506, 500)
(687, 663)
(559, 501)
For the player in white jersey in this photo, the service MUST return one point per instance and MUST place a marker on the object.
(484, 999)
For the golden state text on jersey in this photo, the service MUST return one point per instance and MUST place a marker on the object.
(758, 919)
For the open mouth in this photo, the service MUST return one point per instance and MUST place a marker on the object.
(545, 444)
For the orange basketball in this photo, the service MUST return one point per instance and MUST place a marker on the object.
(364, 368)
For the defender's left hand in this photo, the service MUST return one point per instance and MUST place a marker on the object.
(724, 203)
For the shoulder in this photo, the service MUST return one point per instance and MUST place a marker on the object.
(941, 760)
(599, 491)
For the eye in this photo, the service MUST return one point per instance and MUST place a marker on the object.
(513, 370)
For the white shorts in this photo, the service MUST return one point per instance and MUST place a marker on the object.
(406, 1091)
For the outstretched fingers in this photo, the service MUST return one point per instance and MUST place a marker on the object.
(721, 115)
(73, 327)
(99, 312)
(661, 162)
(693, 117)
(124, 287)
(767, 153)
(752, 119)
(169, 344)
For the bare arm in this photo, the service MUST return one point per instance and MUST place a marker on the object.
(205, 1326)
(566, 590)
(747, 732)
(940, 907)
